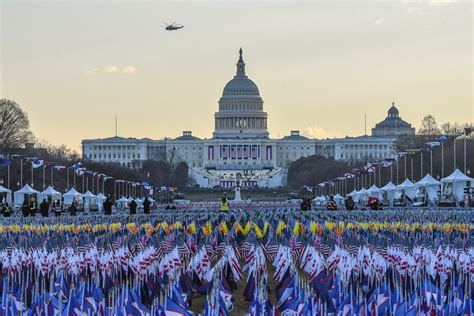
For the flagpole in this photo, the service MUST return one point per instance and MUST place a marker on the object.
(52, 176)
(21, 172)
(421, 162)
(405, 166)
(431, 161)
(454, 167)
(8, 177)
(465, 155)
(44, 172)
(397, 169)
(380, 174)
(375, 175)
(442, 159)
(32, 174)
(391, 172)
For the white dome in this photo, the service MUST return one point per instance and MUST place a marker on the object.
(240, 111)
(241, 85)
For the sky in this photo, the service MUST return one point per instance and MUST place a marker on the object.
(320, 66)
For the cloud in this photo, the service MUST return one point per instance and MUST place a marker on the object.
(379, 21)
(318, 132)
(441, 2)
(110, 69)
(91, 71)
(127, 70)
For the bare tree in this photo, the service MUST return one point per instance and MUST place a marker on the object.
(429, 126)
(14, 125)
(453, 128)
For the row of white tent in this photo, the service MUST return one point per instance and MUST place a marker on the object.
(453, 185)
(86, 200)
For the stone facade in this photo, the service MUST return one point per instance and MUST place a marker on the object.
(240, 151)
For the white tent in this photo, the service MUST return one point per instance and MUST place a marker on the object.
(374, 191)
(72, 196)
(455, 183)
(150, 199)
(90, 201)
(122, 202)
(100, 201)
(20, 194)
(319, 200)
(388, 193)
(353, 193)
(362, 196)
(428, 185)
(339, 199)
(49, 192)
(8, 195)
(407, 187)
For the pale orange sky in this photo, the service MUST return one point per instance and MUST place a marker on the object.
(319, 66)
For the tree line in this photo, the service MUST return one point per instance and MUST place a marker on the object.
(312, 170)
(16, 138)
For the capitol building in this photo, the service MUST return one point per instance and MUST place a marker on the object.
(241, 151)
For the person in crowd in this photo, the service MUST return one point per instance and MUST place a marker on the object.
(25, 208)
(33, 207)
(108, 207)
(374, 204)
(224, 205)
(306, 205)
(44, 208)
(349, 203)
(331, 204)
(73, 209)
(146, 206)
(133, 207)
(57, 208)
(6, 210)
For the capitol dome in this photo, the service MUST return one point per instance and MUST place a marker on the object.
(241, 85)
(240, 112)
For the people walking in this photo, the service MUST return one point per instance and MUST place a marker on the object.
(146, 206)
(73, 209)
(133, 207)
(33, 207)
(44, 208)
(6, 210)
(25, 208)
(108, 207)
(57, 208)
(349, 203)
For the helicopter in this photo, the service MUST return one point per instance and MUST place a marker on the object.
(173, 26)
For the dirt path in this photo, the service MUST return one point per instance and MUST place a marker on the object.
(240, 305)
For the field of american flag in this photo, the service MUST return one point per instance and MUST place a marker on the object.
(257, 262)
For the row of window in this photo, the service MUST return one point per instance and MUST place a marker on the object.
(114, 156)
(114, 147)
